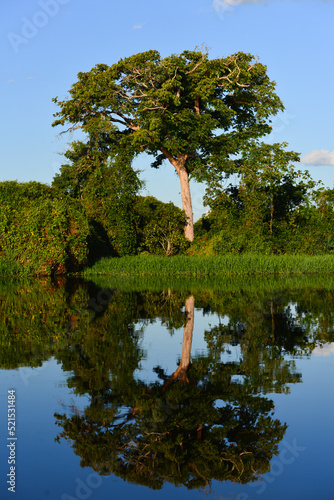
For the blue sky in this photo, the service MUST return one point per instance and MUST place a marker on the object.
(45, 43)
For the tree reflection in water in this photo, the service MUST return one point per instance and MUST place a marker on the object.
(210, 418)
(196, 425)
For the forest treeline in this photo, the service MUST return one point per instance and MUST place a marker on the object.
(75, 221)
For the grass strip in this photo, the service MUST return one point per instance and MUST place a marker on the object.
(187, 266)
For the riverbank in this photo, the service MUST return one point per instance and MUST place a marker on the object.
(183, 266)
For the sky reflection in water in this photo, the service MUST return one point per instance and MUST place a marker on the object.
(224, 390)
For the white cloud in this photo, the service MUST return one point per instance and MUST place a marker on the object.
(137, 27)
(225, 4)
(219, 5)
(319, 157)
(324, 350)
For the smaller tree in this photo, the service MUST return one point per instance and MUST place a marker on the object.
(108, 192)
(264, 206)
(160, 227)
(314, 230)
(267, 172)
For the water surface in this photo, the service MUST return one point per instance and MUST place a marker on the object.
(159, 388)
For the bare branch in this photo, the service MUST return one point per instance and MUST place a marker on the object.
(155, 107)
(70, 129)
(255, 63)
(197, 65)
(237, 68)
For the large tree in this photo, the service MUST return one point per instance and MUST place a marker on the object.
(194, 112)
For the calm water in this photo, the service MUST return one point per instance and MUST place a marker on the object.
(145, 389)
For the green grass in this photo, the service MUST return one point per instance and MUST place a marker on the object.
(9, 267)
(187, 266)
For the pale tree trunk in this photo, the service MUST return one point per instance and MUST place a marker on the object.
(179, 165)
(186, 204)
(181, 372)
(271, 215)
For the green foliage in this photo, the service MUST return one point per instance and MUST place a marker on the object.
(262, 211)
(123, 223)
(16, 194)
(108, 193)
(160, 227)
(195, 112)
(40, 318)
(234, 94)
(314, 227)
(109, 197)
(35, 321)
(10, 267)
(73, 175)
(45, 234)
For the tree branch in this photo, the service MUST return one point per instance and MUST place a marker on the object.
(171, 158)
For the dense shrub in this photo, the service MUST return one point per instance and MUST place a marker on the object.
(109, 196)
(17, 194)
(37, 230)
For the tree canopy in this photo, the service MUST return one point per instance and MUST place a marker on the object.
(193, 111)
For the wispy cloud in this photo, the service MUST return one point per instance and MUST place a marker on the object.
(222, 4)
(137, 27)
(21, 79)
(227, 4)
(319, 157)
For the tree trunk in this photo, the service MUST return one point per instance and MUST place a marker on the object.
(179, 165)
(181, 371)
(271, 215)
(186, 203)
(187, 334)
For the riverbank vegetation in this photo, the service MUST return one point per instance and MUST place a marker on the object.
(46, 230)
(101, 225)
(183, 265)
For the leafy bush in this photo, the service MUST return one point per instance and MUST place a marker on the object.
(47, 234)
(108, 193)
(160, 227)
(109, 196)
